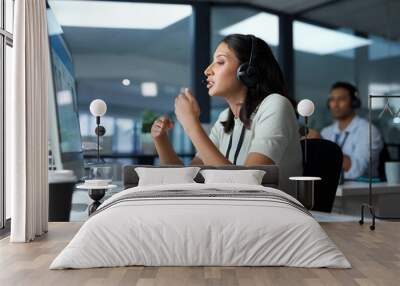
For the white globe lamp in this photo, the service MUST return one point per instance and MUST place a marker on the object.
(98, 108)
(305, 108)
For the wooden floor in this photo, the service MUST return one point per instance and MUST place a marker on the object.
(375, 257)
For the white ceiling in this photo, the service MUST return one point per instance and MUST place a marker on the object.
(380, 17)
(286, 6)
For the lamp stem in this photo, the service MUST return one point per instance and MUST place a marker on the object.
(305, 139)
(98, 139)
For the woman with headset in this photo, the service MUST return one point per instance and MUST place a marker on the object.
(258, 128)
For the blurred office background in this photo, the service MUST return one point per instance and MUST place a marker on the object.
(137, 55)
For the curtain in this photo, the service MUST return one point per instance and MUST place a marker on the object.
(26, 123)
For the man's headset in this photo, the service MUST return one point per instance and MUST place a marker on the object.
(247, 72)
(353, 91)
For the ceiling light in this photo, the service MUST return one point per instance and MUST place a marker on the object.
(318, 40)
(262, 25)
(118, 15)
(149, 89)
(126, 82)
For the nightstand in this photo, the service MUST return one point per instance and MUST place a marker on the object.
(305, 190)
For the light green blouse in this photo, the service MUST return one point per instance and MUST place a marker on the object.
(273, 133)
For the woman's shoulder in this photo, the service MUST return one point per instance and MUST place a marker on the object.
(223, 115)
(217, 127)
(274, 101)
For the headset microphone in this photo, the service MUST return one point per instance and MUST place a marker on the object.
(204, 81)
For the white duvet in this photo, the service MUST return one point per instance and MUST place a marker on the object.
(200, 231)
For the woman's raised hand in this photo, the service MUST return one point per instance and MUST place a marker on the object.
(187, 109)
(160, 127)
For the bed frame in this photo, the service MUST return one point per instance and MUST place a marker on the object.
(270, 179)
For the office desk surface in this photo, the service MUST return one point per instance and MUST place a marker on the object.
(385, 198)
(353, 188)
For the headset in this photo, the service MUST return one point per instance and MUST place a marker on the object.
(354, 97)
(247, 72)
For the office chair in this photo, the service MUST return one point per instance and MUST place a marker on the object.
(324, 159)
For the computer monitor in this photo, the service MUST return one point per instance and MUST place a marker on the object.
(66, 109)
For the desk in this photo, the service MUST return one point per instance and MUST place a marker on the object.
(350, 196)
(61, 187)
(137, 158)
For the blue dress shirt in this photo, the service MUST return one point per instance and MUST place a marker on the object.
(354, 143)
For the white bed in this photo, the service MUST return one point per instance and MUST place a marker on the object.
(185, 230)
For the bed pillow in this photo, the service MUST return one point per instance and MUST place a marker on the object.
(248, 177)
(164, 176)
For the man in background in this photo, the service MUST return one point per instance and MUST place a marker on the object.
(351, 132)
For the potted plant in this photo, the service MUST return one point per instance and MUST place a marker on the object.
(148, 117)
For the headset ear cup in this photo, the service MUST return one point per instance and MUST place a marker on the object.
(251, 72)
(247, 75)
(251, 76)
(241, 72)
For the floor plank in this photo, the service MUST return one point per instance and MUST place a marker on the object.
(375, 257)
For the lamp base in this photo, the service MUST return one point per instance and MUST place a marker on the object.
(96, 195)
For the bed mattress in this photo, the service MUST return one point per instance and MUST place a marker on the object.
(201, 225)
